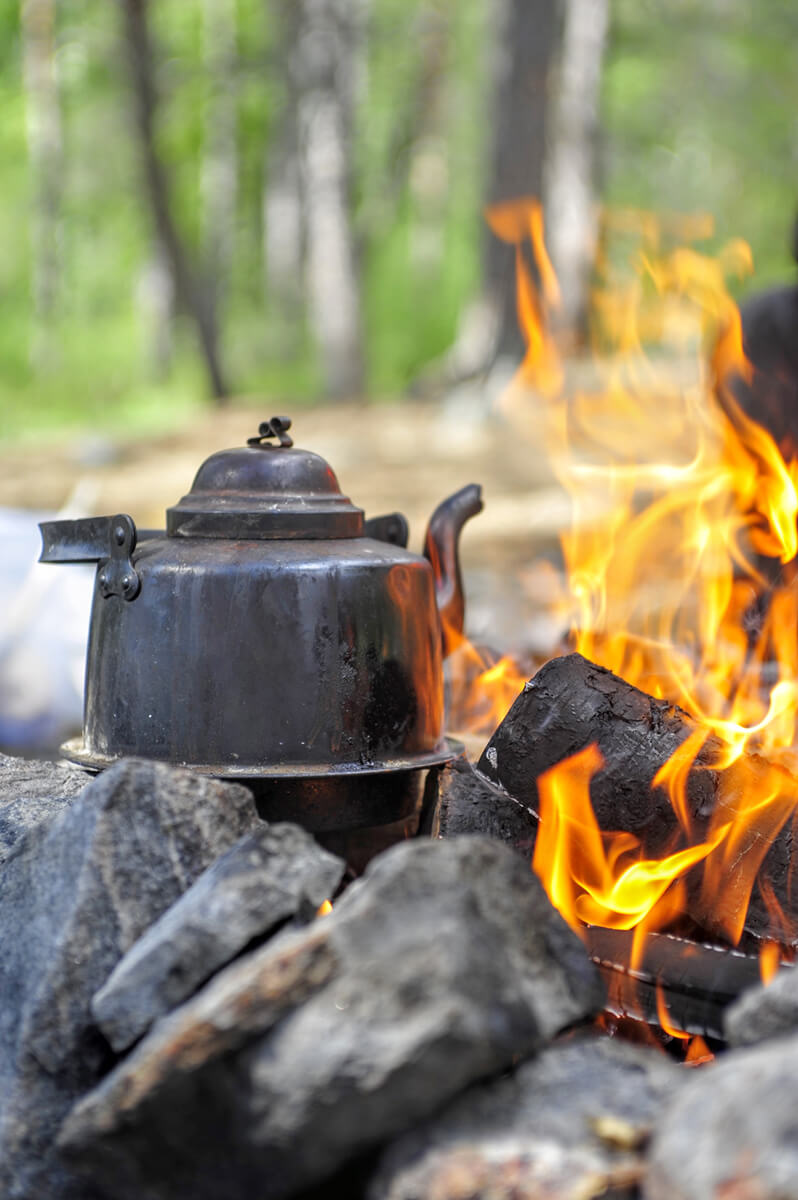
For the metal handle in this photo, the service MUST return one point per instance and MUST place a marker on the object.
(107, 540)
(392, 528)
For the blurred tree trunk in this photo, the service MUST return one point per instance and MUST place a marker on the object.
(326, 70)
(45, 149)
(422, 140)
(219, 171)
(528, 31)
(283, 217)
(155, 301)
(570, 198)
(193, 297)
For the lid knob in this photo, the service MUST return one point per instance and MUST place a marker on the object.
(244, 493)
(276, 427)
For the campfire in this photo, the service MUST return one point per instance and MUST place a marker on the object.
(231, 987)
(667, 806)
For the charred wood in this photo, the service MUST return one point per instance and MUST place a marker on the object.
(460, 800)
(698, 982)
(572, 703)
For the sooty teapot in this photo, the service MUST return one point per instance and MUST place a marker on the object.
(270, 631)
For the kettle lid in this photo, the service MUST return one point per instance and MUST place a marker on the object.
(265, 490)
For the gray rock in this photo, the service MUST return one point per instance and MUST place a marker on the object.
(75, 895)
(268, 877)
(437, 968)
(764, 1012)
(461, 800)
(31, 792)
(732, 1132)
(569, 1123)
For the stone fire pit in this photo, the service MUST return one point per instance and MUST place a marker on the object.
(177, 1020)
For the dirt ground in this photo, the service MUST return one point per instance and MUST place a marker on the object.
(407, 456)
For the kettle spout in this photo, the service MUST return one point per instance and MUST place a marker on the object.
(441, 548)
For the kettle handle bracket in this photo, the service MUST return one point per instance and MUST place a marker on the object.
(108, 541)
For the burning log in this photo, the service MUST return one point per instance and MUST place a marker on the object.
(459, 800)
(696, 983)
(572, 704)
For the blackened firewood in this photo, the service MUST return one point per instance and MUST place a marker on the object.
(770, 395)
(698, 982)
(571, 703)
(460, 800)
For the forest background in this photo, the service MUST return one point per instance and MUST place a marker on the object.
(284, 198)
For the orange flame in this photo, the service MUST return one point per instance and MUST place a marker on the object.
(769, 961)
(597, 878)
(684, 511)
(482, 690)
(698, 1052)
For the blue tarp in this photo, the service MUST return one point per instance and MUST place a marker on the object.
(44, 621)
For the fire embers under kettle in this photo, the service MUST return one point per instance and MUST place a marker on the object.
(271, 634)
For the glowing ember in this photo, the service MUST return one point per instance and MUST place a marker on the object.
(324, 908)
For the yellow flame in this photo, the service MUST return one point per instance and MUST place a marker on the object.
(769, 961)
(597, 878)
(684, 511)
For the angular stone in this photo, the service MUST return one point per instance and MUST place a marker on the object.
(277, 873)
(437, 968)
(461, 800)
(75, 895)
(570, 1123)
(731, 1132)
(764, 1012)
(31, 792)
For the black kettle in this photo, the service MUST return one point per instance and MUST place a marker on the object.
(271, 631)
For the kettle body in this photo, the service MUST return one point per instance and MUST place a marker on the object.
(246, 656)
(270, 630)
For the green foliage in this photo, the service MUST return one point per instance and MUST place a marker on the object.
(96, 368)
(699, 113)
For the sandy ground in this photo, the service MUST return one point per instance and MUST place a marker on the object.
(407, 457)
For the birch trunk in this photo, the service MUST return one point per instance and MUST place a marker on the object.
(570, 199)
(45, 150)
(219, 173)
(155, 302)
(283, 217)
(326, 70)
